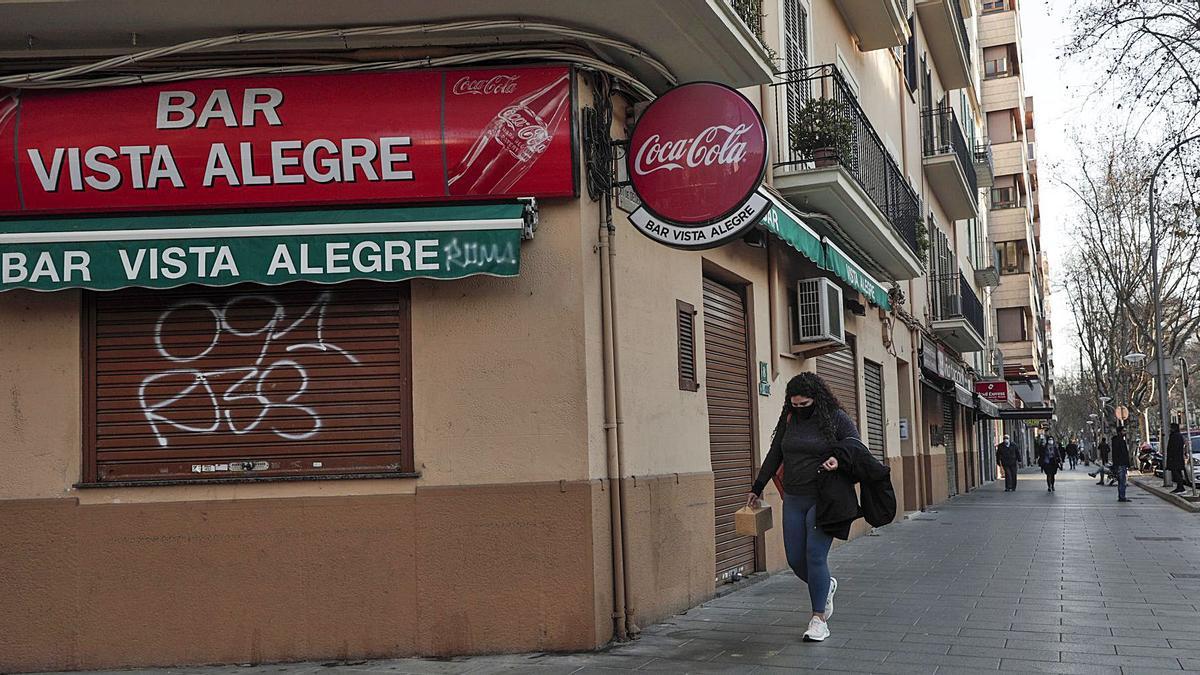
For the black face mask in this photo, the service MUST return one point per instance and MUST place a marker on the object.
(805, 412)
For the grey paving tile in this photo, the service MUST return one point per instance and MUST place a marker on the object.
(1049, 667)
(974, 662)
(1132, 661)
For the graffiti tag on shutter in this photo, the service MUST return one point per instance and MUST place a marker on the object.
(201, 392)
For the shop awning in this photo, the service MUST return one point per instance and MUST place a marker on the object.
(962, 396)
(849, 271)
(782, 221)
(1043, 413)
(786, 224)
(986, 408)
(266, 247)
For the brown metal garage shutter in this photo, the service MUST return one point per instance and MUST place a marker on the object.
(839, 372)
(730, 426)
(873, 383)
(948, 432)
(249, 381)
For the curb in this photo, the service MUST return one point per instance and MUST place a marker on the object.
(1165, 495)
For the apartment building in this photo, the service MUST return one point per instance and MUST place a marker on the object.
(418, 402)
(1021, 300)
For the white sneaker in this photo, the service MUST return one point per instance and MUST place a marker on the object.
(817, 631)
(829, 598)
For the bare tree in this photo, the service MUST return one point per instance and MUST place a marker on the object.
(1148, 49)
(1107, 272)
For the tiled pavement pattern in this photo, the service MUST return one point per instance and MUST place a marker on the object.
(1069, 582)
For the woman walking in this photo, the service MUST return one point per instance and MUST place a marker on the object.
(811, 423)
(1051, 463)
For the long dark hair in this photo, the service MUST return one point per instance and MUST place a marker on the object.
(825, 404)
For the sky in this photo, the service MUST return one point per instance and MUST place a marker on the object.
(1061, 106)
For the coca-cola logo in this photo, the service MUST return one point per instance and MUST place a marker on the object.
(715, 145)
(496, 84)
(697, 154)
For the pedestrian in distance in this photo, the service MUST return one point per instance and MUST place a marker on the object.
(1073, 453)
(1105, 453)
(1175, 459)
(1051, 462)
(813, 433)
(1007, 455)
(1120, 460)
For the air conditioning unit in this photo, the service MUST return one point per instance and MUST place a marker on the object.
(818, 322)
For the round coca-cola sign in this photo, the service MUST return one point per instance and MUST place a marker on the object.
(697, 154)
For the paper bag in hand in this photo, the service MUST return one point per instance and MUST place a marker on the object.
(752, 521)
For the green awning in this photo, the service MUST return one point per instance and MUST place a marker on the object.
(847, 270)
(784, 223)
(266, 247)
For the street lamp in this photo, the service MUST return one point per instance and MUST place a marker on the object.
(1156, 294)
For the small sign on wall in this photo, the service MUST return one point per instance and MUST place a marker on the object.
(904, 428)
(764, 379)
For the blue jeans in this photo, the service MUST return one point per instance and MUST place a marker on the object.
(807, 547)
(1121, 472)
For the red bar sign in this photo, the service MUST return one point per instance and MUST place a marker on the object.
(290, 140)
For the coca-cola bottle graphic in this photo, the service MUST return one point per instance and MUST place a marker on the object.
(512, 142)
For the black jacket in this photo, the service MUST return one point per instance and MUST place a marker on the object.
(837, 503)
(1007, 454)
(1120, 452)
(1104, 451)
(1175, 457)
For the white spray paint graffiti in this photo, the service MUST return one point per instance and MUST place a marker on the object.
(240, 384)
(475, 255)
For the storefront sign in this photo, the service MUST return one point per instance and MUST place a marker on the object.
(847, 270)
(952, 370)
(996, 391)
(929, 356)
(289, 140)
(264, 247)
(696, 160)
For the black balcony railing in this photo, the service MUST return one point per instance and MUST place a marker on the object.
(751, 13)
(983, 155)
(827, 126)
(963, 35)
(943, 136)
(953, 298)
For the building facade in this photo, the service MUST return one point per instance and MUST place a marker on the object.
(481, 413)
(1022, 299)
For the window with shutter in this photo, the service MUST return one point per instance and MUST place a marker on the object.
(685, 324)
(247, 382)
(795, 54)
(840, 372)
(873, 382)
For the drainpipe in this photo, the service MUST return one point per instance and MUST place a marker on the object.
(768, 115)
(611, 437)
(631, 626)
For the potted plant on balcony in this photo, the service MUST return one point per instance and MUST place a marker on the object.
(824, 132)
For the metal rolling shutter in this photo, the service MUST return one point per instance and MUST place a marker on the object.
(839, 371)
(202, 383)
(730, 426)
(951, 450)
(873, 383)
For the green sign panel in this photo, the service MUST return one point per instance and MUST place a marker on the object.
(782, 223)
(847, 270)
(261, 247)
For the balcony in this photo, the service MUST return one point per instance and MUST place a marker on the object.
(985, 167)
(694, 39)
(949, 163)
(830, 159)
(878, 24)
(957, 313)
(949, 42)
(751, 14)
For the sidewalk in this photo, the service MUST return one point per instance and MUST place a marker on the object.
(1030, 581)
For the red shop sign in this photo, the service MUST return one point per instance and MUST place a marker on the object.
(290, 140)
(995, 391)
(696, 159)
